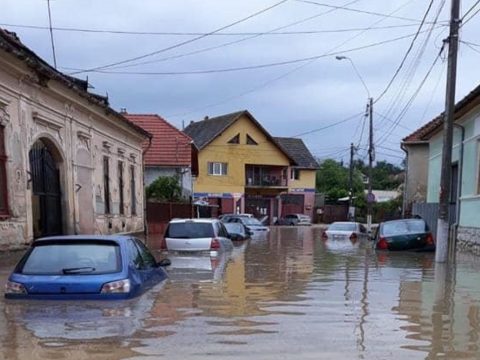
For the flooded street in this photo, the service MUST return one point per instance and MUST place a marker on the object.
(289, 296)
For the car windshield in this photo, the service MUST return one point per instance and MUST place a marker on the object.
(251, 221)
(235, 228)
(72, 258)
(403, 227)
(190, 230)
(343, 226)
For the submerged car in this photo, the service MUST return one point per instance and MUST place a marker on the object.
(237, 231)
(294, 220)
(85, 267)
(253, 225)
(342, 230)
(197, 235)
(407, 234)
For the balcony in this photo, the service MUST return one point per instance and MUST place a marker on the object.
(265, 176)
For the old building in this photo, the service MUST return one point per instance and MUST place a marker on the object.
(68, 162)
(242, 168)
(170, 152)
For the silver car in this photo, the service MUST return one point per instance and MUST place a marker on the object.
(194, 235)
(345, 231)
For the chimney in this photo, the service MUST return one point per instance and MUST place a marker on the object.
(123, 110)
(191, 122)
(206, 117)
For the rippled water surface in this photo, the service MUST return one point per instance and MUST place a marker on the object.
(289, 296)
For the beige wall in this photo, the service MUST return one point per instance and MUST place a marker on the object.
(417, 173)
(81, 133)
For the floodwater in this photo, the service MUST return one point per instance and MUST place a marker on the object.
(288, 296)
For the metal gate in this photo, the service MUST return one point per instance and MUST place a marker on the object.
(46, 195)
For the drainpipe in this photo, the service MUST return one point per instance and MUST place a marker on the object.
(459, 187)
(405, 190)
(145, 227)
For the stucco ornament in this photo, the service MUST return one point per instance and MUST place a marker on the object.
(4, 115)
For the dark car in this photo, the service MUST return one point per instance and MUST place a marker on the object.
(407, 234)
(237, 231)
(253, 225)
(85, 267)
(294, 220)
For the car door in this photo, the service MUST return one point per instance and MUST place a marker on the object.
(135, 265)
(151, 273)
(222, 234)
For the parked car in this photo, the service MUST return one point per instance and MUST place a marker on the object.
(226, 217)
(406, 234)
(294, 220)
(252, 224)
(343, 230)
(85, 267)
(237, 231)
(197, 235)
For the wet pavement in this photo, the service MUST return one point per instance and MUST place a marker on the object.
(288, 296)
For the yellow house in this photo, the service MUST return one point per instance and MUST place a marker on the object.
(242, 168)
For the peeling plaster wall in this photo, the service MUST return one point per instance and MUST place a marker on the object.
(82, 134)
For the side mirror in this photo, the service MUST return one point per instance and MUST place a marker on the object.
(164, 262)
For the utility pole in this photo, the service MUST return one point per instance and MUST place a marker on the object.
(370, 197)
(443, 225)
(351, 215)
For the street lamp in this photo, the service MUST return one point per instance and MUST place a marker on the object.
(370, 196)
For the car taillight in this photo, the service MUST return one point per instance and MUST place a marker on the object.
(14, 288)
(382, 244)
(353, 236)
(215, 244)
(119, 286)
(429, 239)
(324, 236)
(163, 244)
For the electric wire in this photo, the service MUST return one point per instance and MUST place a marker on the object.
(183, 42)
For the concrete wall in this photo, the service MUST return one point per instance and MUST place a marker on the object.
(417, 170)
(185, 175)
(80, 134)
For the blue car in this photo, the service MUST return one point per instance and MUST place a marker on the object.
(85, 267)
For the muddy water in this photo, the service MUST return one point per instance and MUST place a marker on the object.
(289, 296)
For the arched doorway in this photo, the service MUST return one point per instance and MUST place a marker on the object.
(46, 192)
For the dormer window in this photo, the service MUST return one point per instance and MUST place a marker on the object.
(235, 139)
(250, 140)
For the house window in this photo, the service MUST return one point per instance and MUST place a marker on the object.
(235, 139)
(106, 184)
(294, 174)
(217, 168)
(3, 175)
(250, 140)
(133, 199)
(120, 187)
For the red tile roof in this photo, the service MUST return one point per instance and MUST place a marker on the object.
(170, 146)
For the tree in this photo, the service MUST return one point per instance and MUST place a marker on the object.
(165, 188)
(332, 179)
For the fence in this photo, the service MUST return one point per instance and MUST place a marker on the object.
(159, 214)
(429, 213)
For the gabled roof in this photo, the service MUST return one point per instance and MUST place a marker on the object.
(169, 146)
(205, 131)
(298, 152)
(426, 131)
(10, 43)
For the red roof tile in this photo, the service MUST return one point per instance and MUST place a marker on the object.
(170, 146)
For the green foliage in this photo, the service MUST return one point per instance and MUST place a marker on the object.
(164, 188)
(332, 179)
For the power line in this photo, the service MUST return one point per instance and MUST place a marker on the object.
(184, 42)
(251, 67)
(51, 34)
(470, 10)
(198, 51)
(219, 34)
(328, 126)
(397, 71)
(392, 121)
(471, 17)
(359, 11)
(470, 46)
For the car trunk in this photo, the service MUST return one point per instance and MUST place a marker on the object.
(66, 284)
(182, 244)
(338, 234)
(406, 241)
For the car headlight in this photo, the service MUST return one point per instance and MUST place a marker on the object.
(14, 288)
(119, 286)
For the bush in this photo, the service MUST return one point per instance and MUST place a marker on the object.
(164, 188)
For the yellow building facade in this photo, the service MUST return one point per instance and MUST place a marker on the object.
(242, 168)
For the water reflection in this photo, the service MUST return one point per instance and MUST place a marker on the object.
(289, 295)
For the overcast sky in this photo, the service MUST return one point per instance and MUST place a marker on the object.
(288, 99)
